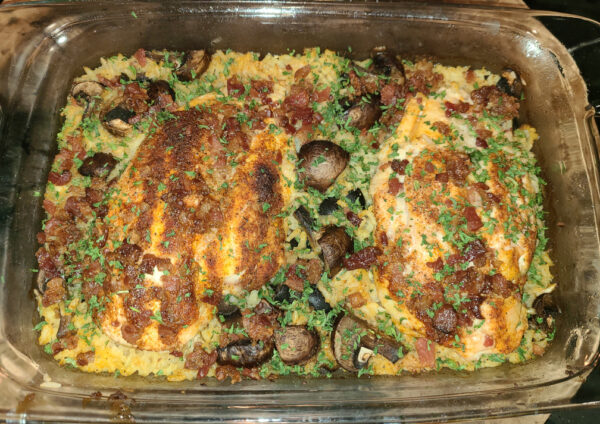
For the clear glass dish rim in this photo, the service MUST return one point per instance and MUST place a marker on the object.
(311, 5)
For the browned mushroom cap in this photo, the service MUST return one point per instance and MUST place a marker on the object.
(296, 344)
(363, 115)
(385, 62)
(227, 310)
(98, 165)
(156, 88)
(350, 334)
(245, 353)
(334, 243)
(86, 90)
(511, 83)
(195, 62)
(321, 163)
(345, 340)
(116, 121)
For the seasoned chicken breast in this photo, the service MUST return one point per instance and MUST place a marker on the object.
(456, 230)
(191, 220)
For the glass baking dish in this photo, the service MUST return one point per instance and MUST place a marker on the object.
(43, 46)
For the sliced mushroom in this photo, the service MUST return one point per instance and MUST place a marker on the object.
(282, 294)
(346, 342)
(350, 334)
(363, 114)
(85, 91)
(195, 62)
(511, 83)
(227, 310)
(363, 354)
(386, 63)
(317, 301)
(296, 344)
(321, 163)
(546, 310)
(357, 195)
(156, 88)
(64, 325)
(174, 58)
(303, 216)
(245, 353)
(99, 165)
(334, 244)
(116, 121)
(328, 206)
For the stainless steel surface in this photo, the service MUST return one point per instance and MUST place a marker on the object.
(53, 41)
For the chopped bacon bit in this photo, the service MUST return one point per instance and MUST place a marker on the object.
(473, 221)
(176, 353)
(302, 73)
(460, 107)
(436, 265)
(390, 93)
(57, 348)
(454, 259)
(258, 326)
(59, 179)
(482, 186)
(442, 127)
(41, 237)
(426, 351)
(458, 168)
(357, 300)
(442, 177)
(235, 87)
(200, 360)
(364, 258)
(224, 371)
(253, 373)
(496, 102)
(480, 142)
(114, 82)
(474, 249)
(492, 197)
(483, 133)
(429, 167)
(488, 341)
(383, 238)
(261, 89)
(49, 207)
(140, 56)
(293, 280)
(399, 166)
(394, 186)
(470, 76)
(55, 291)
(353, 218)
(323, 95)
(84, 358)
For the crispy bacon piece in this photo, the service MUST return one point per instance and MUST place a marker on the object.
(394, 186)
(473, 221)
(55, 291)
(59, 179)
(364, 258)
(426, 351)
(200, 360)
